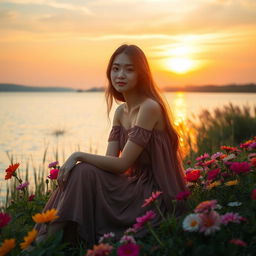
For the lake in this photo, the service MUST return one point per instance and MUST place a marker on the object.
(31, 122)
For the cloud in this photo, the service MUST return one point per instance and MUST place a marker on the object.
(53, 4)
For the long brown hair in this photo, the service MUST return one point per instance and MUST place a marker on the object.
(147, 87)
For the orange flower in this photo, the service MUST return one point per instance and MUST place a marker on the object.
(47, 216)
(231, 183)
(10, 171)
(213, 185)
(7, 245)
(101, 249)
(28, 239)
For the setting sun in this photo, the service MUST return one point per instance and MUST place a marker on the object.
(180, 65)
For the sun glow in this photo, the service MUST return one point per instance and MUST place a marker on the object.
(180, 65)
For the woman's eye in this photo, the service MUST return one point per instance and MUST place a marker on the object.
(130, 69)
(114, 68)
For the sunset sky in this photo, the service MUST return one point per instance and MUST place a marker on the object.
(68, 43)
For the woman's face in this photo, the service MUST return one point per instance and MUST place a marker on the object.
(123, 74)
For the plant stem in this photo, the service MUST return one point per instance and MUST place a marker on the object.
(154, 234)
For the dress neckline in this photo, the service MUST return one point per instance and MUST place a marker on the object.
(136, 126)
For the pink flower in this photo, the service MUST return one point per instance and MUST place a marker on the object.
(141, 221)
(206, 206)
(253, 194)
(211, 175)
(22, 186)
(209, 162)
(53, 174)
(106, 237)
(183, 195)
(231, 217)
(238, 242)
(129, 249)
(31, 197)
(151, 199)
(210, 222)
(130, 231)
(216, 155)
(240, 167)
(5, 218)
(127, 239)
(202, 157)
(53, 164)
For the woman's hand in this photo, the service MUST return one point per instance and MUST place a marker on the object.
(65, 169)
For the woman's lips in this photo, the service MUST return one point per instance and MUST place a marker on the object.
(121, 83)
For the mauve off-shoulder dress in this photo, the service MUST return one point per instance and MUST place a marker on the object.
(100, 202)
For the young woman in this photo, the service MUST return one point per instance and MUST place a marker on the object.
(101, 194)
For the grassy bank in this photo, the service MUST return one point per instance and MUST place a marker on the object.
(220, 201)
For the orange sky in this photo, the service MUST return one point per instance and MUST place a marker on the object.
(68, 43)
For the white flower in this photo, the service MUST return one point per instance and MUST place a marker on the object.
(218, 207)
(106, 236)
(127, 239)
(191, 222)
(229, 157)
(234, 204)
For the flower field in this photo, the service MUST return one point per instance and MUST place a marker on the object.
(219, 219)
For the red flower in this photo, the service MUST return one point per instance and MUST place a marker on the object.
(238, 242)
(53, 174)
(183, 195)
(253, 161)
(211, 175)
(31, 197)
(193, 175)
(230, 149)
(209, 162)
(151, 199)
(253, 194)
(10, 171)
(129, 249)
(4, 219)
(240, 167)
(141, 221)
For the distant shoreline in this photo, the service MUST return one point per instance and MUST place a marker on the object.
(233, 88)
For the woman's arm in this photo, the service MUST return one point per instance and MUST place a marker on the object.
(113, 148)
(148, 115)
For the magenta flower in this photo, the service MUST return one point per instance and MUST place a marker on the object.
(53, 164)
(22, 186)
(240, 167)
(210, 222)
(206, 206)
(5, 218)
(252, 145)
(141, 221)
(238, 242)
(202, 157)
(183, 195)
(151, 199)
(129, 249)
(53, 174)
(231, 217)
(211, 175)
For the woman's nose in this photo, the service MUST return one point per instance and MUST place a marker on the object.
(121, 73)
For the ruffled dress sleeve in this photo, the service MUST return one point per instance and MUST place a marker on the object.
(114, 133)
(139, 135)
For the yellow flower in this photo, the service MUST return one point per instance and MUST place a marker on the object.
(47, 216)
(213, 185)
(28, 239)
(7, 245)
(231, 183)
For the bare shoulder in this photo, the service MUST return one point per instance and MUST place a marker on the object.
(151, 106)
(118, 114)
